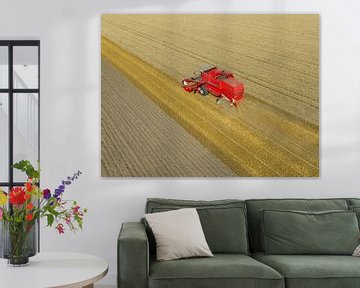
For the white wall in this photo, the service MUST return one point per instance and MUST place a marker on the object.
(69, 31)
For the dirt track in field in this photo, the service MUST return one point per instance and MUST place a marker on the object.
(269, 134)
(149, 143)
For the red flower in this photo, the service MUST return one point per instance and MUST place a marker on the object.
(17, 196)
(29, 206)
(29, 186)
(29, 217)
(60, 228)
(75, 209)
(27, 196)
(68, 219)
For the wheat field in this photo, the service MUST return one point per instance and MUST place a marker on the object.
(274, 132)
(142, 147)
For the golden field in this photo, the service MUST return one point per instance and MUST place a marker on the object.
(135, 138)
(274, 132)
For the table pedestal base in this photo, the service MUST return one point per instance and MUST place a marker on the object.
(89, 286)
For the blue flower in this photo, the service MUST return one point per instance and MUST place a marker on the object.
(64, 183)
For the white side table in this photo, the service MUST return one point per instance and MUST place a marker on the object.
(50, 270)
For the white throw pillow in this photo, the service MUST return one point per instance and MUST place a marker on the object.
(178, 234)
(357, 251)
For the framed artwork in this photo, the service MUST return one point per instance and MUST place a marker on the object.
(221, 95)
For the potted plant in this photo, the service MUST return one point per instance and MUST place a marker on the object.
(21, 208)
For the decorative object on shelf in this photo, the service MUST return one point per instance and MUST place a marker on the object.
(21, 208)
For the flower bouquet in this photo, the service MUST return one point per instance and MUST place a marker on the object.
(21, 208)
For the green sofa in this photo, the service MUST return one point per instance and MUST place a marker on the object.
(235, 234)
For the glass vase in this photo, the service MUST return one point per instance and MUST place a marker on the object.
(18, 242)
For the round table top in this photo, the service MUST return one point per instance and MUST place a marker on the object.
(66, 269)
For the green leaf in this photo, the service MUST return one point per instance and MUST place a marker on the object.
(21, 165)
(28, 168)
(79, 221)
(53, 211)
(50, 219)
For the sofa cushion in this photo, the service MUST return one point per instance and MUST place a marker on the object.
(356, 209)
(353, 201)
(178, 234)
(222, 270)
(254, 206)
(354, 205)
(313, 271)
(223, 221)
(297, 232)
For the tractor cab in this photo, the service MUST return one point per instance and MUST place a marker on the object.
(197, 74)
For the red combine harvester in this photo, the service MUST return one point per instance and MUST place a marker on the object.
(220, 83)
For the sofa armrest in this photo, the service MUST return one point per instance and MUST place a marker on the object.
(133, 256)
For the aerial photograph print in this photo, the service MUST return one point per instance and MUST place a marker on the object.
(210, 95)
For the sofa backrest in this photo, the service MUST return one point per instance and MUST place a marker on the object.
(354, 205)
(353, 202)
(256, 205)
(223, 221)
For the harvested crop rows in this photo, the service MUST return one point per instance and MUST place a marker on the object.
(274, 132)
(149, 143)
